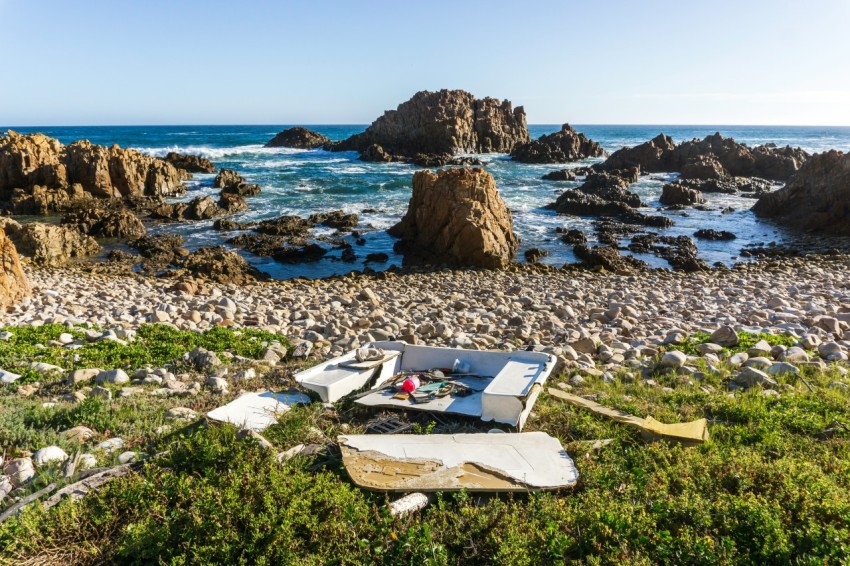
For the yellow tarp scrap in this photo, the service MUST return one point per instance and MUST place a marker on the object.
(695, 432)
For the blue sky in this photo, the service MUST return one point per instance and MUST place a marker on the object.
(88, 62)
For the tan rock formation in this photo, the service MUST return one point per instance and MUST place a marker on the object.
(448, 121)
(456, 217)
(51, 174)
(51, 245)
(13, 283)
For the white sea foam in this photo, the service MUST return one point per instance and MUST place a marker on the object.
(219, 152)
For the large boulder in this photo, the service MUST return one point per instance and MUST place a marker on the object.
(222, 266)
(299, 138)
(560, 147)
(106, 223)
(448, 121)
(13, 283)
(190, 163)
(456, 217)
(678, 194)
(51, 245)
(29, 161)
(229, 181)
(816, 198)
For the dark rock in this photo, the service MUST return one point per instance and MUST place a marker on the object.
(816, 198)
(299, 138)
(715, 235)
(290, 226)
(378, 257)
(190, 163)
(337, 219)
(222, 266)
(571, 236)
(678, 194)
(299, 254)
(102, 223)
(560, 175)
(376, 154)
(559, 147)
(348, 255)
(533, 255)
(679, 251)
(448, 121)
(231, 203)
(227, 178)
(608, 258)
(703, 167)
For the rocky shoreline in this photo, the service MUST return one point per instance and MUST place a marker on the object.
(577, 314)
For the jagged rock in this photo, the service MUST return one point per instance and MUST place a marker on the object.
(190, 163)
(816, 198)
(103, 223)
(571, 236)
(35, 160)
(612, 187)
(533, 255)
(560, 175)
(579, 203)
(448, 121)
(376, 154)
(231, 203)
(298, 138)
(679, 251)
(559, 147)
(675, 193)
(291, 226)
(227, 178)
(336, 219)
(13, 283)
(653, 156)
(608, 258)
(443, 159)
(716, 235)
(51, 245)
(222, 266)
(456, 217)
(713, 157)
(703, 167)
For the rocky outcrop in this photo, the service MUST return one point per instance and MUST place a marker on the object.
(222, 266)
(448, 121)
(13, 283)
(677, 194)
(336, 219)
(190, 163)
(229, 181)
(679, 251)
(36, 163)
(653, 156)
(713, 157)
(50, 245)
(560, 147)
(714, 235)
(816, 198)
(103, 223)
(560, 175)
(298, 138)
(202, 208)
(608, 258)
(456, 217)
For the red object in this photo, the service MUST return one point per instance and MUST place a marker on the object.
(410, 384)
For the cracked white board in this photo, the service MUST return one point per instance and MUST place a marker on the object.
(257, 411)
(529, 461)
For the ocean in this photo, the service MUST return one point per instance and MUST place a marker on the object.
(303, 182)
